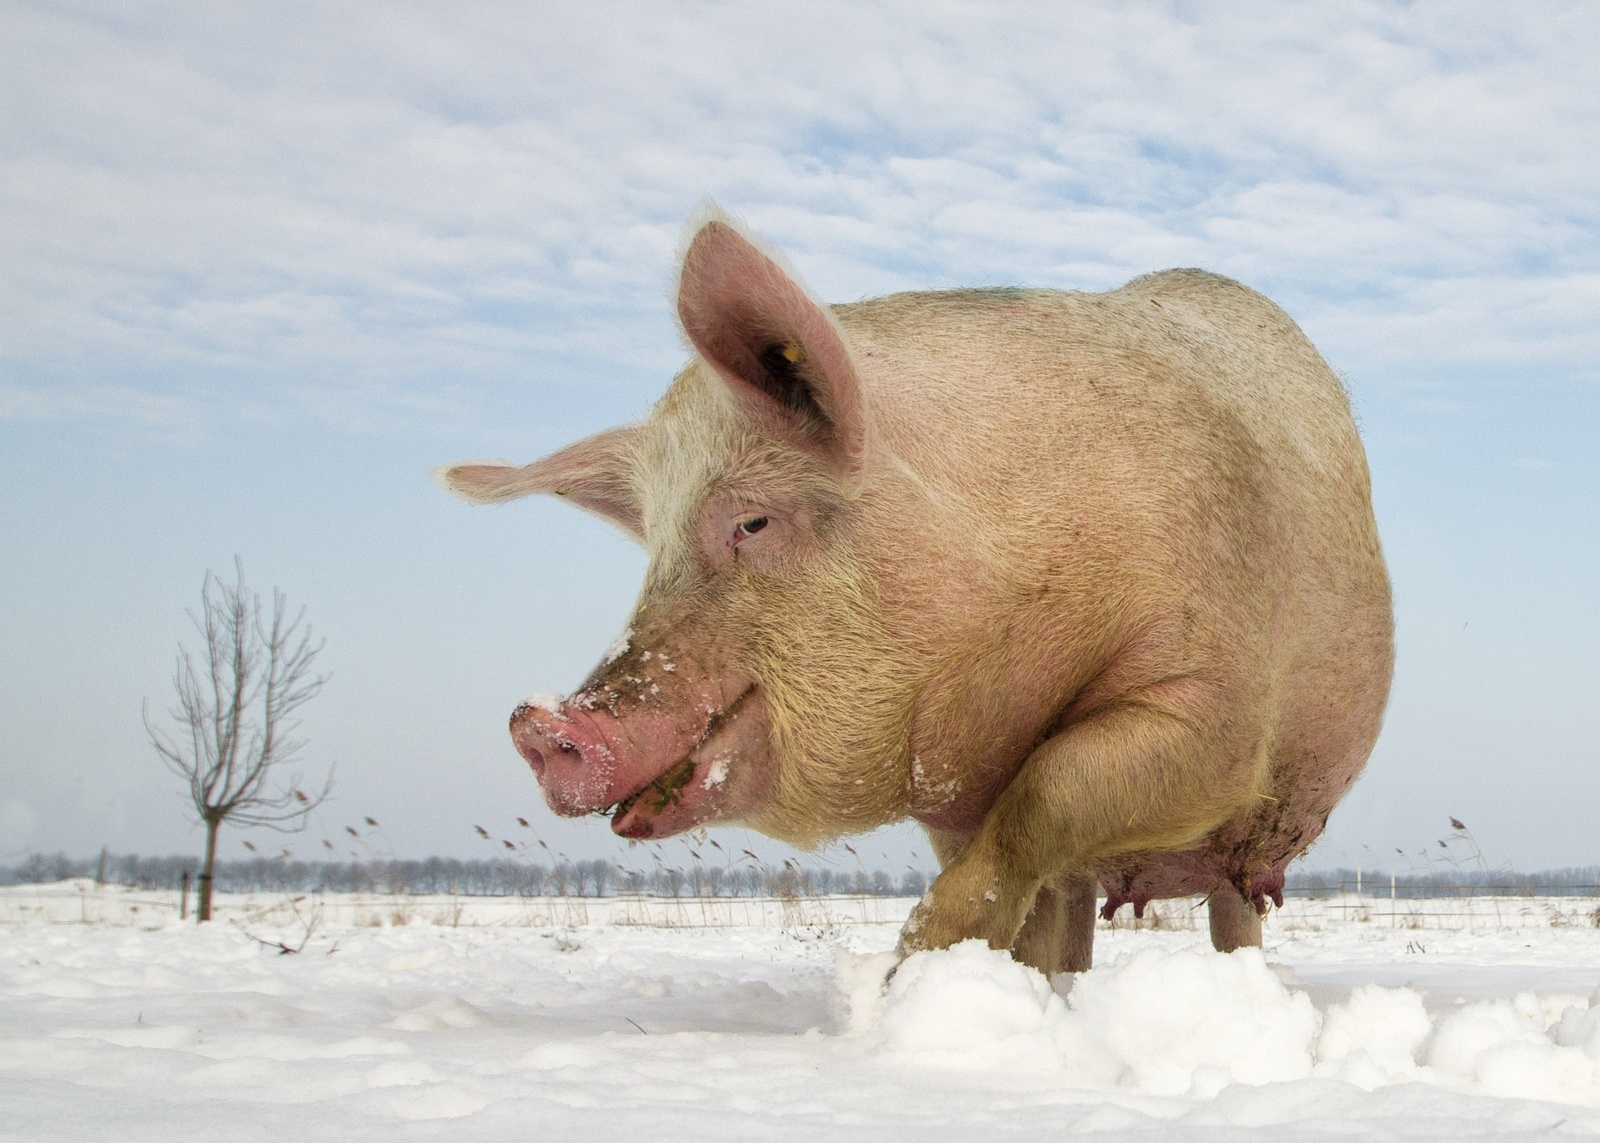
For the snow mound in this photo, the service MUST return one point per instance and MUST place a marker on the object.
(1373, 1038)
(1189, 1021)
(1508, 1047)
(968, 1002)
(1193, 1021)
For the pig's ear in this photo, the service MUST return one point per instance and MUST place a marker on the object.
(593, 474)
(779, 350)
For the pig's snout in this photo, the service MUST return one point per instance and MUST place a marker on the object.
(532, 736)
(571, 761)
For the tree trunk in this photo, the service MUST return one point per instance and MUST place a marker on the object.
(203, 910)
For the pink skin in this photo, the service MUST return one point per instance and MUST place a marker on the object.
(665, 767)
(668, 750)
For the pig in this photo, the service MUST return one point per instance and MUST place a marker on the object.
(1086, 584)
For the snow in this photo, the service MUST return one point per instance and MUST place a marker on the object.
(718, 773)
(683, 1019)
(1190, 1022)
(619, 647)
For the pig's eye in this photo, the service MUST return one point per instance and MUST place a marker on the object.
(749, 527)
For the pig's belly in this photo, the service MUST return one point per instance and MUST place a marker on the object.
(1249, 853)
(1157, 876)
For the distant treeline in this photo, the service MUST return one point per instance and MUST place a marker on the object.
(1445, 881)
(599, 878)
(487, 878)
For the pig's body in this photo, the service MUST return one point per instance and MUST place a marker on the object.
(1087, 584)
(1160, 486)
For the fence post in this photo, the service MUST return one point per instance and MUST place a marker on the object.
(1394, 906)
(183, 896)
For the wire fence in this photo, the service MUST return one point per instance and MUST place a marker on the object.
(82, 901)
(1458, 910)
(503, 877)
(741, 876)
(734, 891)
(1449, 881)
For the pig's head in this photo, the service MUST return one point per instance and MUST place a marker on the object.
(755, 682)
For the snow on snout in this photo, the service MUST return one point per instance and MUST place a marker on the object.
(717, 773)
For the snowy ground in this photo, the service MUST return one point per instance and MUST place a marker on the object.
(682, 1020)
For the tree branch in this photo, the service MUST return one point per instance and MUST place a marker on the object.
(235, 702)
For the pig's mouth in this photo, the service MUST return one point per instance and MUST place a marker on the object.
(634, 816)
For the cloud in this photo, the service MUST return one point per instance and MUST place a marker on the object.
(286, 198)
(97, 402)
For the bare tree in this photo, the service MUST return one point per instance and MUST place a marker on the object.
(234, 721)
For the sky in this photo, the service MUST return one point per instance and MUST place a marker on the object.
(264, 265)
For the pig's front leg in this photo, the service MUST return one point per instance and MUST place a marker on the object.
(1135, 776)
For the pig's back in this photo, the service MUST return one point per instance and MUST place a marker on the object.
(1179, 395)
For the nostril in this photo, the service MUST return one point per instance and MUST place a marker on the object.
(533, 740)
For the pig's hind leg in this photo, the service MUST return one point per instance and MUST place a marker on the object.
(1058, 935)
(1235, 924)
